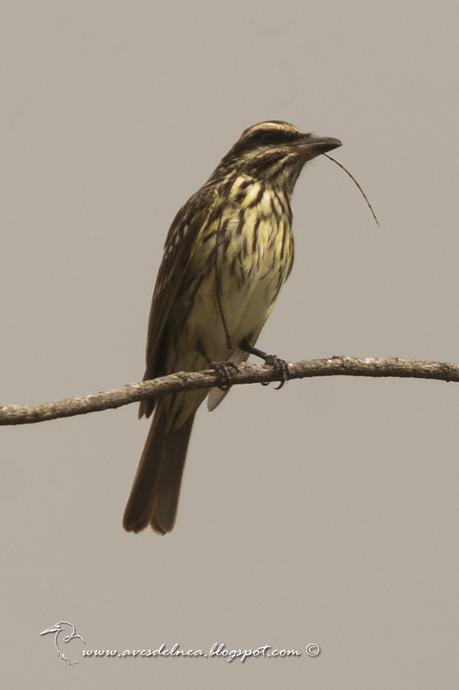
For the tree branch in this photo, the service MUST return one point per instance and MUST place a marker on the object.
(247, 373)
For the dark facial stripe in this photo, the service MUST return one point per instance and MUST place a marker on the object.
(284, 239)
(267, 160)
(255, 233)
(265, 135)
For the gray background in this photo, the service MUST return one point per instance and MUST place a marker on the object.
(323, 513)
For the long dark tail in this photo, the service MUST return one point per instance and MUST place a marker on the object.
(156, 488)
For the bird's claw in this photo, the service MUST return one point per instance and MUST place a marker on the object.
(223, 371)
(280, 367)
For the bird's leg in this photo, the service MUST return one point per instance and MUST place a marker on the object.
(223, 369)
(279, 365)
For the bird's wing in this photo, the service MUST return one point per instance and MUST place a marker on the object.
(177, 249)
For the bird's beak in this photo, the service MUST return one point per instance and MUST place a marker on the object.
(54, 628)
(313, 146)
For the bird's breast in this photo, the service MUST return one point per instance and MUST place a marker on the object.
(244, 257)
(258, 240)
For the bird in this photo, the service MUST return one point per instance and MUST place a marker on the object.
(228, 252)
(58, 628)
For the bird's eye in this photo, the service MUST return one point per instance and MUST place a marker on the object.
(267, 137)
(270, 138)
(273, 136)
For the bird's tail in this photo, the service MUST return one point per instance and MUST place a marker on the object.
(156, 488)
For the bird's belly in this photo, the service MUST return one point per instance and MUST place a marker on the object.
(235, 299)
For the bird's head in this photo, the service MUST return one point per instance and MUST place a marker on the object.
(61, 626)
(275, 152)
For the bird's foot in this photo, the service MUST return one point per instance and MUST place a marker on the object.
(280, 367)
(224, 371)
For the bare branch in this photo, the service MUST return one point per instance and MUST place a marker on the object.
(248, 373)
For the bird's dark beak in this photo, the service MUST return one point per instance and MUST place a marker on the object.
(313, 146)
